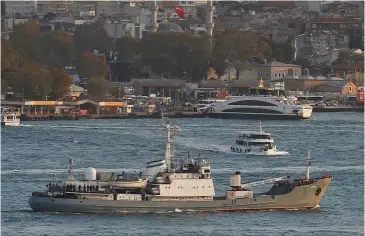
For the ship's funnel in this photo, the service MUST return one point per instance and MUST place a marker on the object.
(236, 180)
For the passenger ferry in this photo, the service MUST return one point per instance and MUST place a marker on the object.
(263, 107)
(256, 143)
(203, 104)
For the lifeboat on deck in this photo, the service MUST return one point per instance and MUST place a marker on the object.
(129, 184)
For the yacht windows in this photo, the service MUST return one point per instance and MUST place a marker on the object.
(253, 110)
(252, 103)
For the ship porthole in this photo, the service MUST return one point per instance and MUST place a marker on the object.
(318, 191)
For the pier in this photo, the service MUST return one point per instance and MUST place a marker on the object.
(339, 109)
(137, 115)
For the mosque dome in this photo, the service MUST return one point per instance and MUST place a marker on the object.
(166, 26)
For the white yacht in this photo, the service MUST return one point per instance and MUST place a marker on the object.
(256, 143)
(9, 117)
(269, 107)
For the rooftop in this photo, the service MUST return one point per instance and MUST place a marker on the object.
(335, 20)
(277, 63)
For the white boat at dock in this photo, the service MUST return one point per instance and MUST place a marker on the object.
(9, 117)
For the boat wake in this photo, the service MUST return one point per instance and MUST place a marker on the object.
(26, 125)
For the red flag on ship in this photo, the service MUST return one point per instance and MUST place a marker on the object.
(180, 11)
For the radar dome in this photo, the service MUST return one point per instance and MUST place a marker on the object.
(90, 174)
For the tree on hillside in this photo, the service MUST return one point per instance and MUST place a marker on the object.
(128, 49)
(89, 37)
(58, 46)
(347, 57)
(3, 9)
(89, 65)
(175, 54)
(61, 83)
(33, 80)
(234, 48)
(27, 36)
(96, 87)
(282, 52)
(202, 13)
(304, 63)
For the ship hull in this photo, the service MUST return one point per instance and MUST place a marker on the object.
(255, 116)
(302, 197)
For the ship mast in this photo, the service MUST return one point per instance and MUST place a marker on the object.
(260, 127)
(168, 145)
(308, 164)
(168, 148)
(70, 176)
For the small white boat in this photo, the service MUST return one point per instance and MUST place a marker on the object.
(128, 184)
(256, 143)
(10, 119)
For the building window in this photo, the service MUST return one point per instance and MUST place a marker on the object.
(283, 75)
(350, 89)
(267, 74)
(275, 75)
(261, 74)
(295, 74)
(314, 26)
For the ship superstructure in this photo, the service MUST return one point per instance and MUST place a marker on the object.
(256, 143)
(166, 186)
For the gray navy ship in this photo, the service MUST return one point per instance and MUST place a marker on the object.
(165, 186)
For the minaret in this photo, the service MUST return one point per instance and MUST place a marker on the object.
(210, 24)
(154, 17)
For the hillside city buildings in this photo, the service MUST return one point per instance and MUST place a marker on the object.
(317, 30)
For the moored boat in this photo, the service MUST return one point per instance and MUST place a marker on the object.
(9, 117)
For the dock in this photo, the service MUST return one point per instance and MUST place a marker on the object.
(140, 115)
(339, 109)
(157, 115)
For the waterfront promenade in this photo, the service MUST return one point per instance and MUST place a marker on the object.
(173, 114)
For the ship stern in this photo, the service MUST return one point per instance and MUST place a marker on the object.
(306, 111)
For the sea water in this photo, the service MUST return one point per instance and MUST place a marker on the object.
(38, 152)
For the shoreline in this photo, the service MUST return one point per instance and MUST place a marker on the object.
(176, 114)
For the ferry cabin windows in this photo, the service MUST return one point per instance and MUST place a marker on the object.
(253, 110)
(244, 143)
(255, 136)
(252, 103)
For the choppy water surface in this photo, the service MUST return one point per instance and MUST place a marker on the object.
(33, 155)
